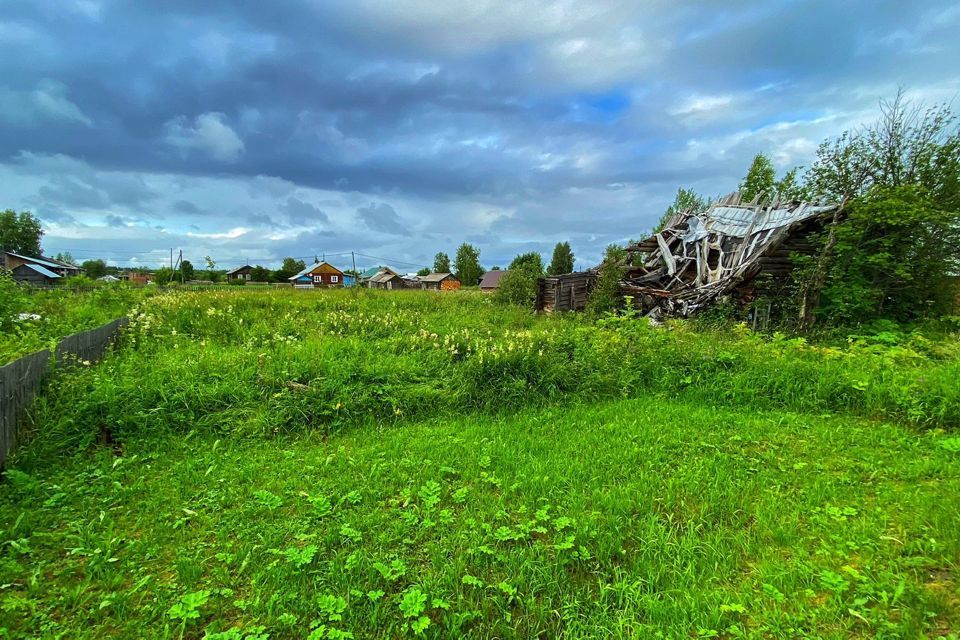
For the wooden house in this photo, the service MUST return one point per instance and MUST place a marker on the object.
(364, 279)
(40, 270)
(240, 273)
(320, 274)
(439, 282)
(36, 274)
(702, 256)
(567, 292)
(386, 279)
(491, 280)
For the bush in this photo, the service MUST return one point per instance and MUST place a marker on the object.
(13, 300)
(518, 287)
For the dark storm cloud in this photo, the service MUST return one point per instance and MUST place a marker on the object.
(301, 213)
(382, 217)
(519, 123)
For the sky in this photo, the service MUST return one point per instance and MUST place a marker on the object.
(249, 131)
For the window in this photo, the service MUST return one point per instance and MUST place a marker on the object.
(318, 278)
(334, 278)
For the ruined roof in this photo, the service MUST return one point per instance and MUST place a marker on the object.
(700, 256)
(384, 275)
(435, 277)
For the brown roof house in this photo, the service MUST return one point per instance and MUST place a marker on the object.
(320, 274)
(491, 280)
(439, 282)
(240, 273)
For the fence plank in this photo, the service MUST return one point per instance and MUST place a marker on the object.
(21, 379)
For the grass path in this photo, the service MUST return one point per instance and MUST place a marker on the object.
(637, 518)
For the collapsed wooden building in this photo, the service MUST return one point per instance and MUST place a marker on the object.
(701, 256)
(567, 292)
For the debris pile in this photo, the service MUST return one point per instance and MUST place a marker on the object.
(701, 256)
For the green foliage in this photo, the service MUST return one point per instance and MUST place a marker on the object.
(789, 188)
(13, 301)
(187, 270)
(423, 272)
(898, 245)
(260, 274)
(294, 462)
(289, 268)
(562, 260)
(467, 265)
(94, 268)
(685, 200)
(909, 144)
(164, 275)
(441, 263)
(20, 232)
(519, 285)
(894, 251)
(605, 296)
(56, 313)
(65, 256)
(531, 261)
(760, 178)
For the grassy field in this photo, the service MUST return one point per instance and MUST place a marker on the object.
(294, 465)
(49, 315)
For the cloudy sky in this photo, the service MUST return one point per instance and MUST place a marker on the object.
(254, 130)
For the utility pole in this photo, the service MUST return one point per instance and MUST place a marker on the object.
(180, 260)
(356, 279)
(171, 258)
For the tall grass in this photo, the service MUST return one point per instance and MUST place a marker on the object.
(274, 362)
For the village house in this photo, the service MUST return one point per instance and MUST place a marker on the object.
(38, 271)
(439, 282)
(491, 280)
(364, 279)
(320, 274)
(386, 279)
(240, 273)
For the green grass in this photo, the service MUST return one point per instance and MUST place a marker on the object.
(322, 468)
(61, 313)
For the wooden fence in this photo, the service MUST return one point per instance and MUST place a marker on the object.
(21, 379)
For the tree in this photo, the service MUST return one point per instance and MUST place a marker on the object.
(162, 276)
(94, 268)
(20, 233)
(186, 270)
(685, 200)
(532, 261)
(892, 257)
(788, 188)
(760, 178)
(606, 293)
(562, 260)
(260, 274)
(64, 256)
(441, 263)
(889, 256)
(423, 272)
(288, 269)
(519, 285)
(908, 144)
(467, 265)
